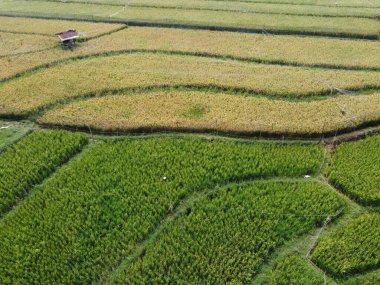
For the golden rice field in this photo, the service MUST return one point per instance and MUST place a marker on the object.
(76, 78)
(294, 50)
(15, 44)
(244, 7)
(50, 28)
(204, 111)
(279, 23)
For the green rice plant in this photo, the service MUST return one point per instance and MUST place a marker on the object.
(31, 160)
(328, 3)
(294, 270)
(225, 237)
(290, 24)
(355, 170)
(350, 250)
(80, 224)
(175, 110)
(369, 278)
(99, 75)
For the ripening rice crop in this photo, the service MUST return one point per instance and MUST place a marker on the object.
(51, 27)
(355, 170)
(281, 23)
(101, 74)
(244, 7)
(276, 49)
(31, 160)
(202, 111)
(17, 44)
(91, 215)
(225, 237)
(350, 250)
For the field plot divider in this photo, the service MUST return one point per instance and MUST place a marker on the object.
(329, 219)
(192, 199)
(136, 23)
(252, 60)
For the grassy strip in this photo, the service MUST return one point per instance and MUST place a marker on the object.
(354, 170)
(242, 7)
(293, 24)
(31, 160)
(350, 250)
(327, 3)
(51, 27)
(284, 50)
(208, 242)
(142, 70)
(191, 110)
(111, 198)
(11, 132)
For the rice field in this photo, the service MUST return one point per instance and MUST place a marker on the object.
(321, 3)
(286, 50)
(146, 70)
(208, 142)
(210, 111)
(50, 28)
(16, 44)
(279, 23)
(244, 7)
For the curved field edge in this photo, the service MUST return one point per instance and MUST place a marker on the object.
(209, 111)
(30, 160)
(210, 20)
(84, 190)
(351, 250)
(140, 70)
(162, 255)
(327, 53)
(354, 170)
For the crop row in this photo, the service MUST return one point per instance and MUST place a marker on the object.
(355, 170)
(350, 250)
(295, 24)
(31, 160)
(50, 28)
(228, 235)
(203, 111)
(244, 7)
(293, 50)
(77, 78)
(90, 215)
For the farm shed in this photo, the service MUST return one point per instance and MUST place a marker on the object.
(68, 37)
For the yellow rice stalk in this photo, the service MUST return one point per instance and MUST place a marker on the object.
(103, 74)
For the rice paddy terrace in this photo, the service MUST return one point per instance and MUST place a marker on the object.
(190, 142)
